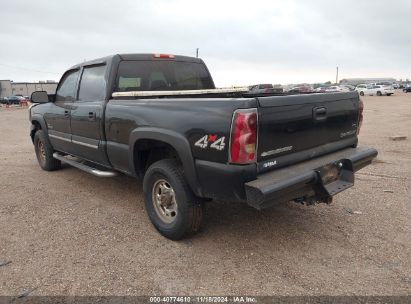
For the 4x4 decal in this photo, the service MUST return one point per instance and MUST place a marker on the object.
(216, 143)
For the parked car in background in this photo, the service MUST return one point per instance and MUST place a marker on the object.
(334, 89)
(349, 87)
(365, 90)
(320, 89)
(378, 90)
(13, 100)
(267, 88)
(407, 88)
(301, 90)
(384, 90)
(361, 86)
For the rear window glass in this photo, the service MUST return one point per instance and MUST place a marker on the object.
(128, 82)
(162, 76)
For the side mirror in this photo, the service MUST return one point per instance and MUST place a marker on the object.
(39, 97)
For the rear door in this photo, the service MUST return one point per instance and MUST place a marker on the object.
(306, 125)
(58, 116)
(87, 115)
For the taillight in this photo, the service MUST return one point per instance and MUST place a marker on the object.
(243, 142)
(360, 115)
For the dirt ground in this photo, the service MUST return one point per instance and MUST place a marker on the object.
(70, 233)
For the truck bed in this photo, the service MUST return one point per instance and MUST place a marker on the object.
(291, 127)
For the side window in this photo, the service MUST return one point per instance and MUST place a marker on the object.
(67, 89)
(93, 83)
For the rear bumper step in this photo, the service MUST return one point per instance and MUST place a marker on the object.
(318, 179)
(80, 165)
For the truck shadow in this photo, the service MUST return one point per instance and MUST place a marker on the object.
(224, 220)
(291, 222)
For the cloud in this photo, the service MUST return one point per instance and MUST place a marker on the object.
(242, 42)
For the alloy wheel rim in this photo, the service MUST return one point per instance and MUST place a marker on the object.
(164, 201)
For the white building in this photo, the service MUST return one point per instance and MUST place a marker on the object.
(10, 88)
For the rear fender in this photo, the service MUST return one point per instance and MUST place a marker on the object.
(174, 139)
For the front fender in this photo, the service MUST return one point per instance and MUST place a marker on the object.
(174, 139)
(40, 120)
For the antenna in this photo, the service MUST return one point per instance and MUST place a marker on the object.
(336, 77)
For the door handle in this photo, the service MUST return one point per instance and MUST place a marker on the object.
(66, 113)
(320, 113)
(92, 115)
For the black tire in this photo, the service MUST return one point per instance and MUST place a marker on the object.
(44, 152)
(379, 93)
(389, 94)
(361, 93)
(189, 213)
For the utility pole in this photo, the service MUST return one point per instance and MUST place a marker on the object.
(336, 77)
(197, 52)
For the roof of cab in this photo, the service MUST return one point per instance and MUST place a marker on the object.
(107, 59)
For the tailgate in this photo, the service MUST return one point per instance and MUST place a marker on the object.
(305, 126)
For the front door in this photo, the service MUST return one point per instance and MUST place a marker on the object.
(87, 115)
(58, 116)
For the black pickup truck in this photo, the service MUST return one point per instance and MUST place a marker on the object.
(160, 118)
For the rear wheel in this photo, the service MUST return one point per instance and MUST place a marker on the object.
(44, 152)
(379, 93)
(171, 206)
(361, 93)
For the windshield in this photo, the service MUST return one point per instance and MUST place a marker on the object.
(162, 76)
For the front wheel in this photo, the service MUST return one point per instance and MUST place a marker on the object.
(44, 152)
(361, 93)
(171, 206)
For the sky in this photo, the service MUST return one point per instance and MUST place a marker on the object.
(242, 42)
